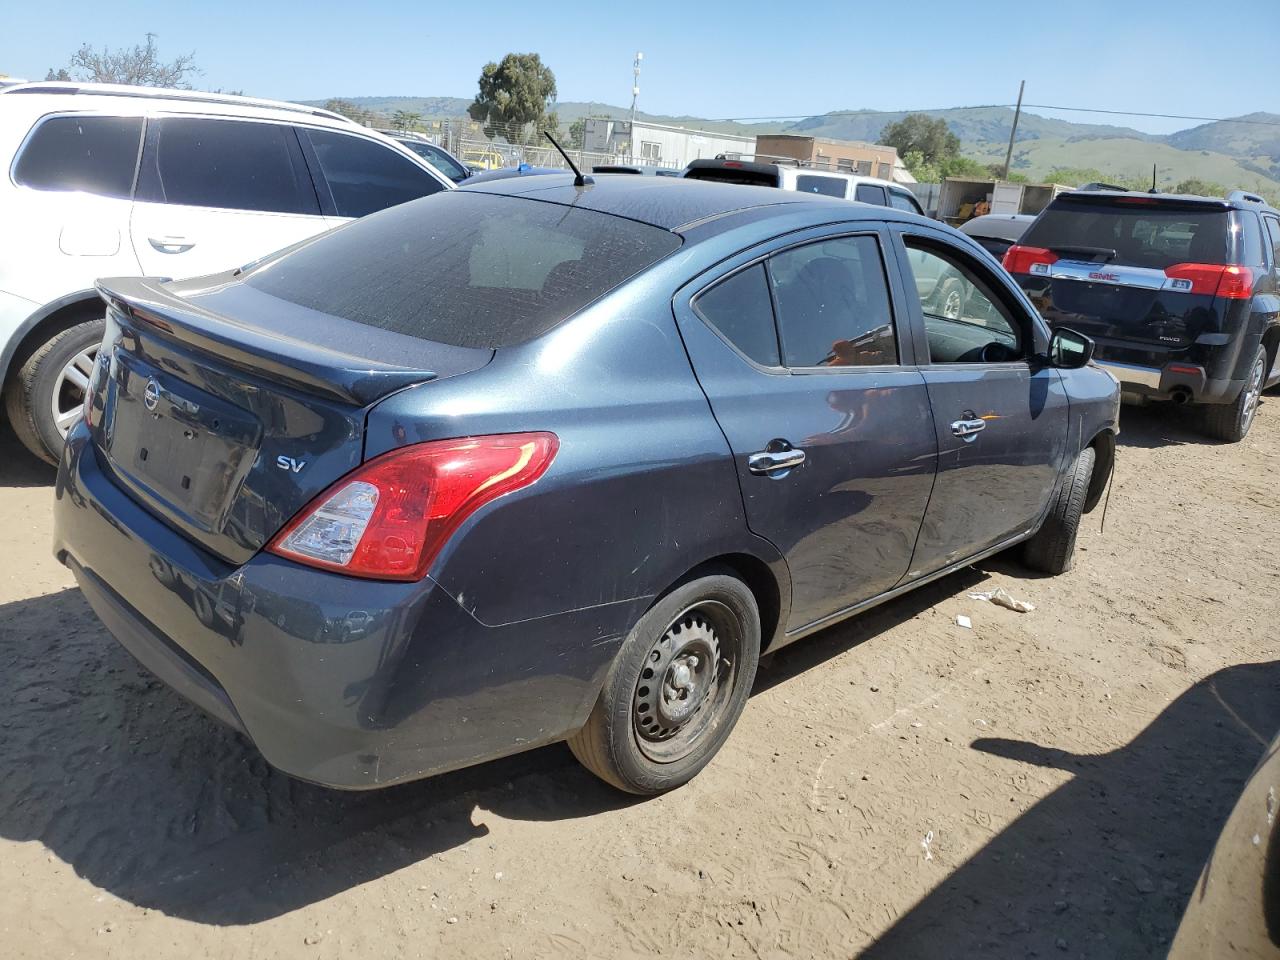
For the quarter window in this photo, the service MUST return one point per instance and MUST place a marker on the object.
(89, 154)
(739, 309)
(964, 324)
(365, 176)
(227, 164)
(833, 304)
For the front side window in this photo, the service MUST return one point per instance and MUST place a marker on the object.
(833, 304)
(90, 154)
(827, 186)
(437, 158)
(870, 193)
(740, 310)
(365, 176)
(902, 201)
(227, 164)
(964, 324)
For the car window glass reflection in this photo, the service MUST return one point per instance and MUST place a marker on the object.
(963, 324)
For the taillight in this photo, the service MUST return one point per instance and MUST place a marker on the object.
(1212, 279)
(1033, 260)
(388, 518)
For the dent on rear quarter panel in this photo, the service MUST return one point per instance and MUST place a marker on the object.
(642, 488)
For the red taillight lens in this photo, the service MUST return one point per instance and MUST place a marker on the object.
(1212, 279)
(1033, 260)
(389, 518)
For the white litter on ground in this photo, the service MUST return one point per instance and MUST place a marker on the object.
(1002, 598)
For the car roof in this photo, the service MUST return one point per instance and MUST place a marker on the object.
(1236, 200)
(135, 101)
(674, 203)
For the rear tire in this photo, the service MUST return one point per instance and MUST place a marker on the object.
(675, 689)
(1231, 421)
(51, 377)
(1052, 549)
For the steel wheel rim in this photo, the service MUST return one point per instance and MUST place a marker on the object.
(686, 683)
(951, 306)
(1253, 392)
(69, 389)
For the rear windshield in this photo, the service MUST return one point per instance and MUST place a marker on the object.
(467, 269)
(1138, 232)
(752, 178)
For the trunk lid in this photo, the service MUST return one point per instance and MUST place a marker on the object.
(225, 410)
(1115, 266)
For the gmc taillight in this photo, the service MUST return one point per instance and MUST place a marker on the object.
(1213, 279)
(1035, 261)
(389, 518)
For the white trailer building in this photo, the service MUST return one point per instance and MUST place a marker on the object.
(659, 144)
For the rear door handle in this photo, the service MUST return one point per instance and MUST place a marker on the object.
(171, 244)
(771, 461)
(968, 430)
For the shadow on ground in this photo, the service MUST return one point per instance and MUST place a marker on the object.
(1104, 866)
(18, 468)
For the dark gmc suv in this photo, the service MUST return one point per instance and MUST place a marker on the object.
(1180, 293)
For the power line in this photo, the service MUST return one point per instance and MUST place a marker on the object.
(1007, 106)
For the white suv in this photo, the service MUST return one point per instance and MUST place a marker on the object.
(118, 181)
(789, 175)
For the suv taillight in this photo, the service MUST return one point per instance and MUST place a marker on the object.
(388, 518)
(1033, 260)
(1213, 279)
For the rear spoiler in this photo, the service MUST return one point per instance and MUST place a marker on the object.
(306, 366)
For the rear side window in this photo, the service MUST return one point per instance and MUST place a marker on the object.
(1136, 232)
(467, 269)
(1273, 239)
(827, 186)
(739, 308)
(833, 304)
(227, 164)
(365, 176)
(870, 193)
(90, 154)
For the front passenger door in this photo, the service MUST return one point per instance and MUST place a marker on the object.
(1000, 415)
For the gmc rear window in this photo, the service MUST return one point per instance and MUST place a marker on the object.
(466, 269)
(1133, 231)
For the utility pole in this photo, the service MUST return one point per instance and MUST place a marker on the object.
(1017, 113)
(635, 92)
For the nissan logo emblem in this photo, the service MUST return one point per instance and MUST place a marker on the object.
(151, 395)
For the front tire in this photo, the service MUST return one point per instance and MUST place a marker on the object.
(675, 689)
(1052, 549)
(44, 397)
(1231, 421)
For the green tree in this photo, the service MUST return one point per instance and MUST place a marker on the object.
(920, 133)
(345, 108)
(578, 133)
(405, 120)
(1200, 188)
(139, 65)
(518, 92)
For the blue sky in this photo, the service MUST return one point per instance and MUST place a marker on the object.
(709, 59)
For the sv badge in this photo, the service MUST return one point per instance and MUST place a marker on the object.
(290, 464)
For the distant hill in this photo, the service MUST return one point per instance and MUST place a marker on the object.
(1233, 152)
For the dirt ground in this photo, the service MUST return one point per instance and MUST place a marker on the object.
(1044, 784)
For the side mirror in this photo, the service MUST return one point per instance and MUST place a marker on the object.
(1069, 349)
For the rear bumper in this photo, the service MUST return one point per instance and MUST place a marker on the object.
(1189, 381)
(348, 683)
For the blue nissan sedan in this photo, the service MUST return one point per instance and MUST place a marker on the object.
(535, 461)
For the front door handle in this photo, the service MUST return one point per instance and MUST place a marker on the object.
(968, 428)
(780, 455)
(171, 244)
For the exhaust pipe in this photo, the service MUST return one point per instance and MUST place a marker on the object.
(1181, 395)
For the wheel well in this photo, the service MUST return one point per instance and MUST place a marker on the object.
(49, 327)
(1104, 449)
(760, 580)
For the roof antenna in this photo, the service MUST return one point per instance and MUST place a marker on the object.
(1153, 179)
(578, 179)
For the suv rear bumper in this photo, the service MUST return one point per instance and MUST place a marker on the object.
(348, 683)
(1174, 381)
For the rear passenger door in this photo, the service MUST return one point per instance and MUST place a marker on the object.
(826, 416)
(216, 193)
(1000, 414)
(357, 175)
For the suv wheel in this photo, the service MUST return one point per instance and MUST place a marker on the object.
(675, 689)
(1231, 421)
(44, 397)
